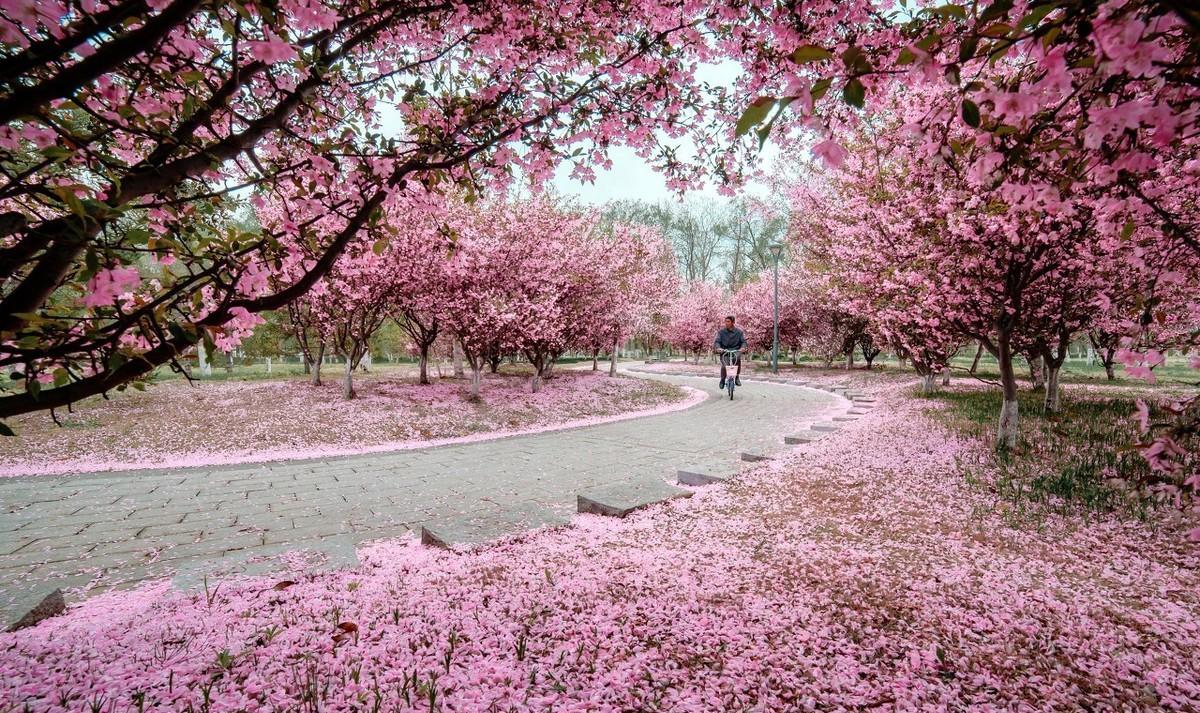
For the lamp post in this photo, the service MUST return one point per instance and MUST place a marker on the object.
(776, 251)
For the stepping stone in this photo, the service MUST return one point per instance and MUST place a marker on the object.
(698, 475)
(479, 529)
(824, 426)
(843, 419)
(32, 602)
(858, 412)
(796, 439)
(750, 457)
(623, 498)
(52, 604)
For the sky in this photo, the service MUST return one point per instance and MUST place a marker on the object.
(631, 178)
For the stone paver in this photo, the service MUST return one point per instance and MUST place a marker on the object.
(797, 439)
(620, 499)
(699, 475)
(120, 528)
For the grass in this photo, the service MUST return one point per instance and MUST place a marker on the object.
(1078, 461)
(1077, 371)
(257, 371)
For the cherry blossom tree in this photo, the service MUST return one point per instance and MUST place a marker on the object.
(419, 252)
(353, 303)
(480, 299)
(127, 128)
(695, 317)
(638, 278)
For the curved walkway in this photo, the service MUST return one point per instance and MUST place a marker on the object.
(113, 529)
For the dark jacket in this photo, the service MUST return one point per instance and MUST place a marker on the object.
(730, 339)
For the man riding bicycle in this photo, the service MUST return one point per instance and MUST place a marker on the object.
(731, 338)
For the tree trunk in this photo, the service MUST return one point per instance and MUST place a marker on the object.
(316, 370)
(423, 365)
(348, 380)
(1108, 358)
(927, 383)
(946, 376)
(1009, 427)
(307, 361)
(1052, 389)
(268, 365)
(1037, 375)
(476, 378)
(548, 370)
(228, 362)
(612, 362)
(795, 356)
(595, 360)
(202, 360)
(457, 356)
(535, 384)
(975, 361)
(850, 359)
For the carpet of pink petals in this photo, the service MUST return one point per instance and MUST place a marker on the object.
(858, 574)
(220, 422)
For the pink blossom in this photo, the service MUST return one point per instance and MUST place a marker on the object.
(108, 284)
(272, 50)
(831, 153)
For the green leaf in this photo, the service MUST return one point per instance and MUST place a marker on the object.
(852, 56)
(952, 74)
(1036, 15)
(68, 196)
(907, 56)
(33, 387)
(951, 11)
(810, 53)
(967, 49)
(854, 93)
(379, 246)
(928, 41)
(61, 376)
(998, 8)
(970, 113)
(1051, 35)
(1127, 229)
(754, 115)
(56, 153)
(820, 88)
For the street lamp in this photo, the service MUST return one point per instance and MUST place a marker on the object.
(776, 251)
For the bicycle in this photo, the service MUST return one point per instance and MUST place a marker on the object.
(729, 361)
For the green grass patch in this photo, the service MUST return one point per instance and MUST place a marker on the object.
(1078, 461)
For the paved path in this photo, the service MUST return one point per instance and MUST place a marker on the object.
(113, 529)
